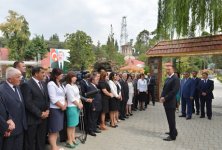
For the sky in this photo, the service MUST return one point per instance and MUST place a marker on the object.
(91, 16)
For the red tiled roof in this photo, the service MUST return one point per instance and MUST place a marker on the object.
(192, 46)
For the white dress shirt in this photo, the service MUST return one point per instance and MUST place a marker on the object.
(72, 93)
(56, 94)
(113, 88)
(142, 85)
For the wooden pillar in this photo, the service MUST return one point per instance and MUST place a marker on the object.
(155, 65)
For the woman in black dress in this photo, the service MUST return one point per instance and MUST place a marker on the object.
(114, 100)
(106, 95)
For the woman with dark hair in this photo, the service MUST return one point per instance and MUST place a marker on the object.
(115, 90)
(142, 91)
(73, 108)
(106, 95)
(58, 105)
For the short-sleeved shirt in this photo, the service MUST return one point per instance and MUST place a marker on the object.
(72, 93)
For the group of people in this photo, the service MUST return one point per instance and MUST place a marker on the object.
(196, 93)
(47, 105)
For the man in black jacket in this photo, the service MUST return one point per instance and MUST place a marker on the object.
(206, 88)
(125, 96)
(151, 82)
(36, 101)
(168, 98)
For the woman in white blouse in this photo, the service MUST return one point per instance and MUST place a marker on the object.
(113, 103)
(73, 109)
(58, 104)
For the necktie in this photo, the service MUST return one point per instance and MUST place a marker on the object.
(41, 88)
(16, 92)
(205, 81)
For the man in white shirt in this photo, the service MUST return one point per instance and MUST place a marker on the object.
(142, 91)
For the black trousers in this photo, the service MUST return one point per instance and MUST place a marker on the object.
(63, 132)
(122, 109)
(196, 102)
(34, 138)
(135, 101)
(13, 142)
(170, 114)
(151, 95)
(92, 120)
(205, 100)
(1, 141)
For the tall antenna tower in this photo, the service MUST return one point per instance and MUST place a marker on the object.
(124, 34)
(111, 35)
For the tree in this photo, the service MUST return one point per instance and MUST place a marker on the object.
(16, 31)
(184, 17)
(54, 37)
(142, 42)
(37, 46)
(81, 50)
(3, 42)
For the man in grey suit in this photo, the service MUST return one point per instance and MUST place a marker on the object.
(13, 101)
(36, 101)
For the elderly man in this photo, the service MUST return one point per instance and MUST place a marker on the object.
(13, 101)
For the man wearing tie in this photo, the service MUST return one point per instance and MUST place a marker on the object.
(187, 89)
(196, 97)
(37, 110)
(11, 95)
(168, 98)
(206, 88)
(151, 87)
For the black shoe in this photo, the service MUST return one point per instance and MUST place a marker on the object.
(182, 116)
(209, 118)
(126, 117)
(168, 133)
(153, 104)
(144, 109)
(92, 133)
(197, 113)
(131, 114)
(188, 118)
(121, 118)
(202, 116)
(169, 139)
(97, 131)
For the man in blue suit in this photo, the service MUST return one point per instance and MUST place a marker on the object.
(187, 89)
(196, 98)
(11, 95)
(206, 88)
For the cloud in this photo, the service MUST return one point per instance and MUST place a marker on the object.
(92, 16)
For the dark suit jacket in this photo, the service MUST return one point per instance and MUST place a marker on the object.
(207, 88)
(124, 90)
(170, 89)
(4, 116)
(83, 87)
(152, 82)
(65, 66)
(15, 107)
(196, 83)
(187, 88)
(97, 99)
(35, 101)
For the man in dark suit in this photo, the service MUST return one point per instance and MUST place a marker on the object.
(151, 82)
(168, 98)
(206, 88)
(36, 101)
(196, 97)
(125, 96)
(12, 96)
(95, 107)
(20, 65)
(6, 123)
(187, 89)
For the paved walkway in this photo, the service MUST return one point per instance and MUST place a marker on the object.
(145, 131)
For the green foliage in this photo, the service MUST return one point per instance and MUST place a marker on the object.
(54, 37)
(81, 50)
(16, 31)
(37, 46)
(184, 17)
(217, 60)
(142, 42)
(3, 42)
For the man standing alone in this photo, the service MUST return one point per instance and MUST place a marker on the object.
(168, 98)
